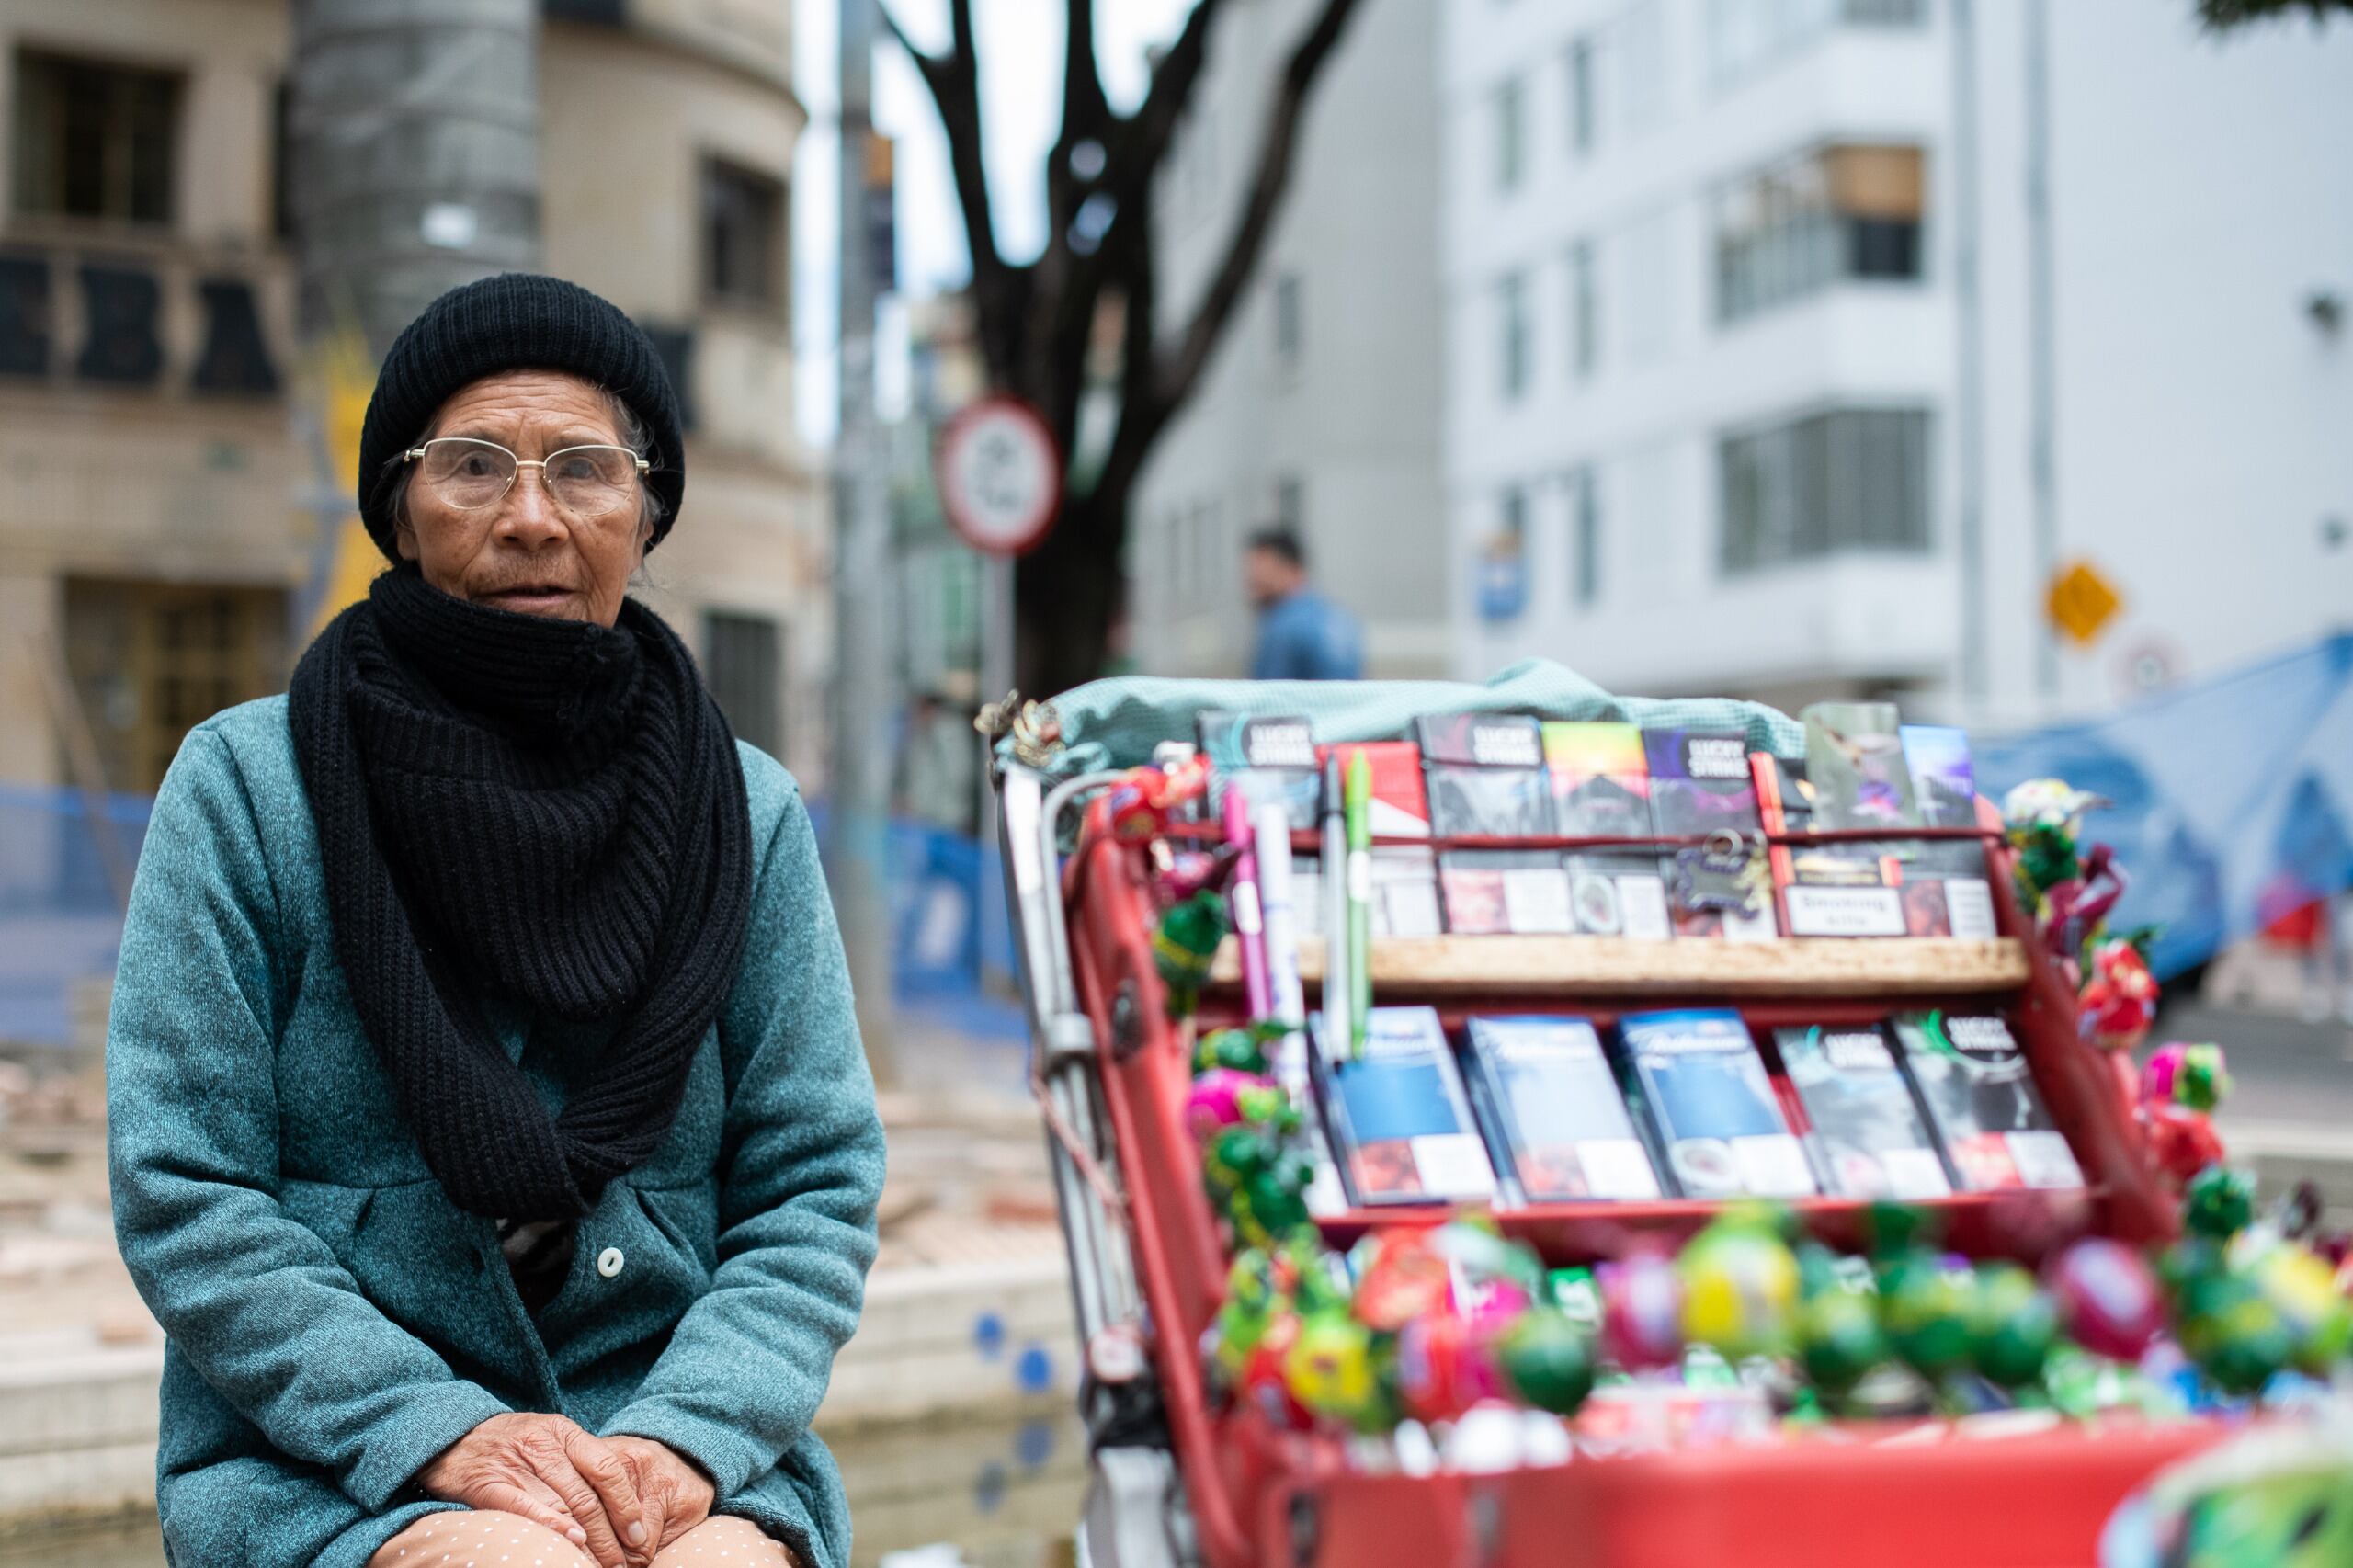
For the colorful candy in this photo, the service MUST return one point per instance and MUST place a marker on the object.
(1215, 1100)
(2303, 1290)
(2191, 1075)
(1444, 1366)
(2183, 1140)
(1546, 1360)
(2119, 1000)
(1237, 1050)
(1740, 1289)
(2013, 1325)
(1184, 945)
(1641, 1311)
(1924, 1305)
(1839, 1338)
(2107, 1298)
(1329, 1366)
(2217, 1202)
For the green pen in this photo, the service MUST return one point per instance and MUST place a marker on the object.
(1356, 801)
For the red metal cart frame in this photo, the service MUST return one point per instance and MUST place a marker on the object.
(1179, 1480)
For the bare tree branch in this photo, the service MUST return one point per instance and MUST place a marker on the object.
(1276, 144)
(1141, 415)
(953, 80)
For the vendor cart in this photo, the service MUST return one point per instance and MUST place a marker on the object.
(1177, 1480)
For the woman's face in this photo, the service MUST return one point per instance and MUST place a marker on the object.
(522, 552)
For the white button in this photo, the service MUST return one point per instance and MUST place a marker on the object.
(609, 1262)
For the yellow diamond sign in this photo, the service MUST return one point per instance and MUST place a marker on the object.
(2082, 601)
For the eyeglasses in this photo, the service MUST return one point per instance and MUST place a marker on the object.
(588, 483)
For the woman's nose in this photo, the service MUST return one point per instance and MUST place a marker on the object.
(527, 511)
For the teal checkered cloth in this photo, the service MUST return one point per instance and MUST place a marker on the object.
(1116, 722)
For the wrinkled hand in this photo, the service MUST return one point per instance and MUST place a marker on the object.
(673, 1492)
(551, 1470)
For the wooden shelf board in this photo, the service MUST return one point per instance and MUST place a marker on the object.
(1620, 966)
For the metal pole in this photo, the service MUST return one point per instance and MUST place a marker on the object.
(995, 680)
(2041, 369)
(415, 132)
(1968, 391)
(864, 701)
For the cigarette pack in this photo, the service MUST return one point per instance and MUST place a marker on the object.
(1868, 1139)
(1979, 1091)
(1484, 774)
(1602, 782)
(1557, 1123)
(1713, 1103)
(1401, 1127)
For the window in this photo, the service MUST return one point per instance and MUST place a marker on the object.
(1793, 229)
(1744, 36)
(1585, 119)
(1843, 480)
(1638, 58)
(743, 659)
(1290, 504)
(1584, 537)
(94, 141)
(743, 234)
(1511, 138)
(1290, 327)
(1585, 312)
(1511, 309)
(149, 661)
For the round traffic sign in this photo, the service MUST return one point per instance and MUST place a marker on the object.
(1000, 476)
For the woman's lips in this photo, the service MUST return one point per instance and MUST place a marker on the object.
(529, 597)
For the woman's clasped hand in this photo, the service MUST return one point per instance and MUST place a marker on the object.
(621, 1499)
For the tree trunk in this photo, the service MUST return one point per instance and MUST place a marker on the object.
(1066, 597)
(415, 154)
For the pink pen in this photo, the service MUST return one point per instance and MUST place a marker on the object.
(1242, 899)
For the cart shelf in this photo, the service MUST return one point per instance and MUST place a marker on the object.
(1620, 966)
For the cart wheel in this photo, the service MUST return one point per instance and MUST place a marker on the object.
(1136, 1516)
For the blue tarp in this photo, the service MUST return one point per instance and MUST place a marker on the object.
(2231, 799)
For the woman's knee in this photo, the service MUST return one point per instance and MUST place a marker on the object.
(723, 1540)
(478, 1538)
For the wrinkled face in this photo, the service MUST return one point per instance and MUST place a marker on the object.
(522, 551)
(1268, 577)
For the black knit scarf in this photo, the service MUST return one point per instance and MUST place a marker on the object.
(548, 811)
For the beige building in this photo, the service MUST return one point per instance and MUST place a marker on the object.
(160, 495)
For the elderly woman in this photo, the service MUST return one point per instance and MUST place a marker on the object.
(490, 1129)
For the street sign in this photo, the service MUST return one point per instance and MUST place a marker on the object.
(1000, 476)
(2081, 601)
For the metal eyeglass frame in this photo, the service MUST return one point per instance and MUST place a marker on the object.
(416, 454)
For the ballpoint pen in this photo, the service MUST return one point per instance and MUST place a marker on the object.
(1356, 806)
(1243, 901)
(1339, 1038)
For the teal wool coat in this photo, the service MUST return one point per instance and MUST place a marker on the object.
(333, 1323)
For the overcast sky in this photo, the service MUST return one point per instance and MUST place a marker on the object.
(1021, 49)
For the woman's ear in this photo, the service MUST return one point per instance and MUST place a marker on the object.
(403, 535)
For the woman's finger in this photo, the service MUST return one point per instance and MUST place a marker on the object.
(530, 1498)
(616, 1488)
(553, 1463)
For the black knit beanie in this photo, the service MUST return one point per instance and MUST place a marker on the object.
(517, 321)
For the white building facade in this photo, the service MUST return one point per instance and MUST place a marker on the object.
(1758, 313)
(1322, 407)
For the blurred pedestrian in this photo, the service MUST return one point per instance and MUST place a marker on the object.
(490, 1130)
(939, 757)
(1301, 634)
